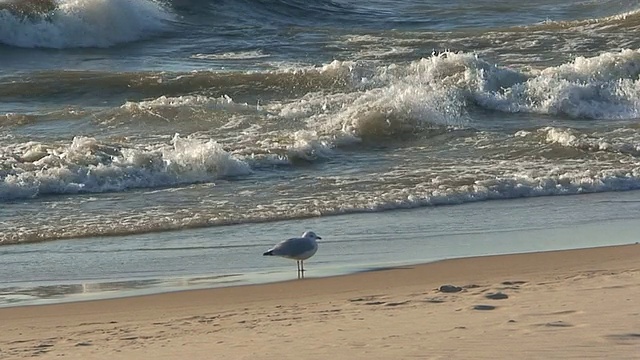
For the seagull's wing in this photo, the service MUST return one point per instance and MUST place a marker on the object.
(293, 247)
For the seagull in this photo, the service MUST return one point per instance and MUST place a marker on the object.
(299, 249)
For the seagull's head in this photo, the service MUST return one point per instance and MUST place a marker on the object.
(311, 235)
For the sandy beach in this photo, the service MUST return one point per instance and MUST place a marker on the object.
(561, 304)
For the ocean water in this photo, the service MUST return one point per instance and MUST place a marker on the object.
(129, 122)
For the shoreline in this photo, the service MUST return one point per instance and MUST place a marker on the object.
(382, 272)
(112, 267)
(268, 315)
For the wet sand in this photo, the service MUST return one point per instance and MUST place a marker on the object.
(561, 304)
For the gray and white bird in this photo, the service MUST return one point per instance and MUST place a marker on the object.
(299, 249)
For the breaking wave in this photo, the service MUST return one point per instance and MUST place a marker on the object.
(83, 23)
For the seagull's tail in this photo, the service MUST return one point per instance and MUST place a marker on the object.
(268, 253)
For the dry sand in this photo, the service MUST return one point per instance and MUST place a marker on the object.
(563, 304)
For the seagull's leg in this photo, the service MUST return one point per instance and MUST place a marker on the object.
(302, 265)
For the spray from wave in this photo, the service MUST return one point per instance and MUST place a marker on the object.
(82, 23)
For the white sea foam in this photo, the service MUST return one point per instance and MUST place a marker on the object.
(308, 146)
(88, 165)
(380, 102)
(85, 23)
(394, 100)
(461, 182)
(601, 87)
(622, 140)
(441, 89)
(397, 100)
(184, 101)
(185, 109)
(594, 23)
(543, 182)
(241, 55)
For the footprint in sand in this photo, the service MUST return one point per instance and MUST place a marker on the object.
(434, 300)
(367, 299)
(497, 296)
(484, 307)
(375, 303)
(625, 338)
(450, 289)
(517, 282)
(398, 303)
(559, 324)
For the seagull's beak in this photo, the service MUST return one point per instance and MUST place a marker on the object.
(318, 237)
